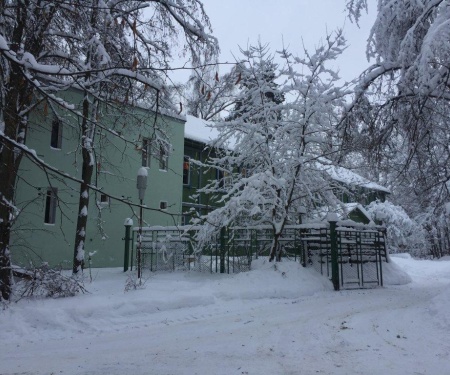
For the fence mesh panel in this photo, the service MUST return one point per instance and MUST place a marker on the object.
(360, 250)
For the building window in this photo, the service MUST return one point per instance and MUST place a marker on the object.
(185, 219)
(56, 136)
(163, 158)
(219, 174)
(224, 178)
(163, 205)
(104, 200)
(51, 202)
(186, 171)
(146, 152)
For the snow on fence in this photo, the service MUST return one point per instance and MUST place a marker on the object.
(360, 250)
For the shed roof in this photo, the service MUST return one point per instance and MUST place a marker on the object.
(349, 177)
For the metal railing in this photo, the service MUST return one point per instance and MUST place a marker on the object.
(356, 251)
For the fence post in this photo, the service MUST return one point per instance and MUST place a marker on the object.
(222, 249)
(332, 219)
(128, 224)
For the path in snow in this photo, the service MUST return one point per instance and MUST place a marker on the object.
(392, 330)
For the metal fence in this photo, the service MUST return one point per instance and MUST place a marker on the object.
(358, 250)
(361, 255)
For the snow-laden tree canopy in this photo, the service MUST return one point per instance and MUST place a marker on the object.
(399, 119)
(283, 123)
(403, 233)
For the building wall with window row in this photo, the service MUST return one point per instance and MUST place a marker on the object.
(45, 229)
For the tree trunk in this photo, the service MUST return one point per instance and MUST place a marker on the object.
(275, 251)
(86, 176)
(6, 179)
(10, 157)
(83, 205)
(8, 173)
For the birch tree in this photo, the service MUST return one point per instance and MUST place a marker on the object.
(116, 52)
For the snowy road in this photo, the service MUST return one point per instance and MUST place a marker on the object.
(393, 330)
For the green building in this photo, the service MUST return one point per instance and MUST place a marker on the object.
(197, 137)
(45, 229)
(352, 190)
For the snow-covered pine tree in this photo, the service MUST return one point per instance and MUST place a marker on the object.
(268, 148)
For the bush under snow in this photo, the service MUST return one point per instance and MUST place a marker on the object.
(403, 233)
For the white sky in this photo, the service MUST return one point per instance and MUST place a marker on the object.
(241, 22)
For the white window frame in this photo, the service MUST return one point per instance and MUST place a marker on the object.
(224, 178)
(163, 158)
(146, 152)
(104, 200)
(51, 202)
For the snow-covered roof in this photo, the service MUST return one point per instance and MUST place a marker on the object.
(202, 131)
(349, 177)
(349, 207)
(342, 210)
(199, 130)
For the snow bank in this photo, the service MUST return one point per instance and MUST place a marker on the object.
(273, 280)
(401, 255)
(394, 274)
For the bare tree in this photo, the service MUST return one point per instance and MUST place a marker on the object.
(400, 112)
(209, 95)
(117, 53)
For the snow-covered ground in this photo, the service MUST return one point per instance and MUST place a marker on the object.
(279, 319)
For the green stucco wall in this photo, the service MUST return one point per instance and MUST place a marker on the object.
(116, 169)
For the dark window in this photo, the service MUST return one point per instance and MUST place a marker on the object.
(224, 178)
(163, 158)
(51, 202)
(104, 199)
(56, 137)
(163, 205)
(185, 219)
(219, 177)
(186, 171)
(146, 154)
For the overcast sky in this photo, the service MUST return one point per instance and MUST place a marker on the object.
(241, 22)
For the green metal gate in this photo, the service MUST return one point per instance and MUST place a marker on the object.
(361, 254)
